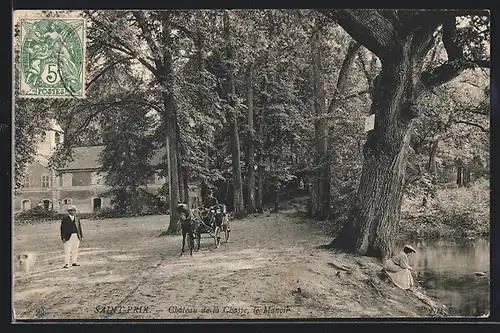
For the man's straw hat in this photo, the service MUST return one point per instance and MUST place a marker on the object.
(410, 248)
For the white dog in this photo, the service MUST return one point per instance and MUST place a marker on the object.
(26, 261)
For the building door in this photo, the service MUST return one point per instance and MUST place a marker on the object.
(46, 204)
(26, 204)
(96, 202)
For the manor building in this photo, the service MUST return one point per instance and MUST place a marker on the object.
(79, 181)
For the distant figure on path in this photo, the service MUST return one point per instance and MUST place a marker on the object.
(71, 235)
(399, 270)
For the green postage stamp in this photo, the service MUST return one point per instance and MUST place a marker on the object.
(52, 58)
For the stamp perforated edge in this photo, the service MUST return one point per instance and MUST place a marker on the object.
(35, 15)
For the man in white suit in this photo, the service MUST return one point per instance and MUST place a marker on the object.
(71, 235)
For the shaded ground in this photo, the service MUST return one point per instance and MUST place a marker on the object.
(271, 268)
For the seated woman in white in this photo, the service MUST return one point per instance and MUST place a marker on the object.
(399, 270)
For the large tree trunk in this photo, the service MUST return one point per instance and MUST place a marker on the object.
(277, 198)
(460, 173)
(185, 179)
(377, 210)
(467, 172)
(182, 171)
(250, 143)
(201, 70)
(260, 156)
(321, 185)
(171, 123)
(135, 205)
(172, 152)
(238, 203)
(431, 166)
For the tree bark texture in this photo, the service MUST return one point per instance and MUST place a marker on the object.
(171, 121)
(377, 210)
(201, 70)
(238, 203)
(185, 179)
(320, 201)
(182, 194)
(260, 156)
(250, 143)
(432, 166)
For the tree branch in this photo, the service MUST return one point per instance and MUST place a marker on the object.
(471, 83)
(457, 61)
(143, 25)
(185, 30)
(345, 70)
(101, 73)
(392, 16)
(123, 47)
(366, 26)
(485, 130)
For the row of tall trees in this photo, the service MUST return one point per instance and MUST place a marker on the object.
(254, 99)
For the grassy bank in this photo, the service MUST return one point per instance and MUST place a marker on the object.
(453, 214)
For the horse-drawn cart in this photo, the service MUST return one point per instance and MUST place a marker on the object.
(212, 221)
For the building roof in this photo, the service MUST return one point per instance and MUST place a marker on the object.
(85, 158)
(42, 160)
(89, 158)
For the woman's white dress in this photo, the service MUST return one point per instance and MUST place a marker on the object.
(398, 270)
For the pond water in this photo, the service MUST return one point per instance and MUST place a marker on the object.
(448, 272)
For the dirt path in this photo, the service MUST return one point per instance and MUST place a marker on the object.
(270, 268)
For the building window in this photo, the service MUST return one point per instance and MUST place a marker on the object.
(67, 201)
(27, 180)
(45, 181)
(81, 179)
(67, 180)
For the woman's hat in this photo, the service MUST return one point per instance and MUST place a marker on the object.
(410, 248)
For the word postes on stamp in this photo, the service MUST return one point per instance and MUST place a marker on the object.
(52, 58)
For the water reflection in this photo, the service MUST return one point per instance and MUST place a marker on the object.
(448, 272)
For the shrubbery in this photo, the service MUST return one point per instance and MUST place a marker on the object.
(40, 214)
(453, 213)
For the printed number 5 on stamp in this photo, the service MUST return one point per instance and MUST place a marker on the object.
(52, 58)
